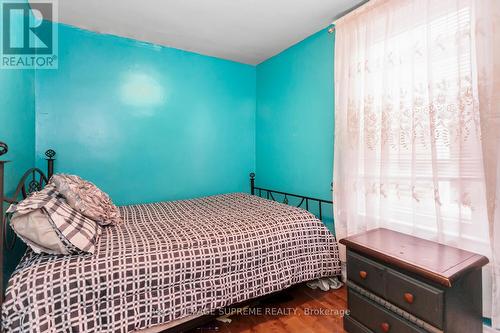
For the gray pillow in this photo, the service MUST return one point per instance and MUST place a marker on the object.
(37, 232)
(76, 232)
(87, 199)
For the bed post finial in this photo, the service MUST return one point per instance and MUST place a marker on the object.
(50, 162)
(252, 183)
(3, 148)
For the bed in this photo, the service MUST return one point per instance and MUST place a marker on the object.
(170, 262)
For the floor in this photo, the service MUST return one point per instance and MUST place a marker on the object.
(297, 310)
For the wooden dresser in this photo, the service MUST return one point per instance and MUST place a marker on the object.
(399, 283)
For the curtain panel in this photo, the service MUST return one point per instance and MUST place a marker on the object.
(417, 124)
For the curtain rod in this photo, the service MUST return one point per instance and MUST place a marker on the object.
(331, 28)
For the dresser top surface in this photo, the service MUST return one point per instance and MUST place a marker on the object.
(440, 263)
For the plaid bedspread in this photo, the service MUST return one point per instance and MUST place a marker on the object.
(169, 260)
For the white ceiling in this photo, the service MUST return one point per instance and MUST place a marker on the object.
(247, 31)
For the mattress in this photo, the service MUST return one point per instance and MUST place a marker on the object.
(170, 260)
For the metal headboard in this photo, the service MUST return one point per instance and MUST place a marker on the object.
(33, 180)
(304, 200)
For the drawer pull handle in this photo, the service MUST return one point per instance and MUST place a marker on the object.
(409, 298)
(385, 327)
(363, 274)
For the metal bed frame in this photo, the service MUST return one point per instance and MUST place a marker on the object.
(35, 179)
(32, 180)
(303, 199)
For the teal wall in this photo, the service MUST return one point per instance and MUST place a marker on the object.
(295, 119)
(17, 129)
(149, 123)
(146, 123)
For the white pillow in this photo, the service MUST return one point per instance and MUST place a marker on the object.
(36, 231)
(76, 232)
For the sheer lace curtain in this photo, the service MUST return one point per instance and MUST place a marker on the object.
(417, 124)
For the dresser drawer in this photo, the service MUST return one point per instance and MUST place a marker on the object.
(376, 318)
(366, 273)
(416, 297)
(353, 326)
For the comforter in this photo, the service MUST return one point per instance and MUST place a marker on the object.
(169, 260)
